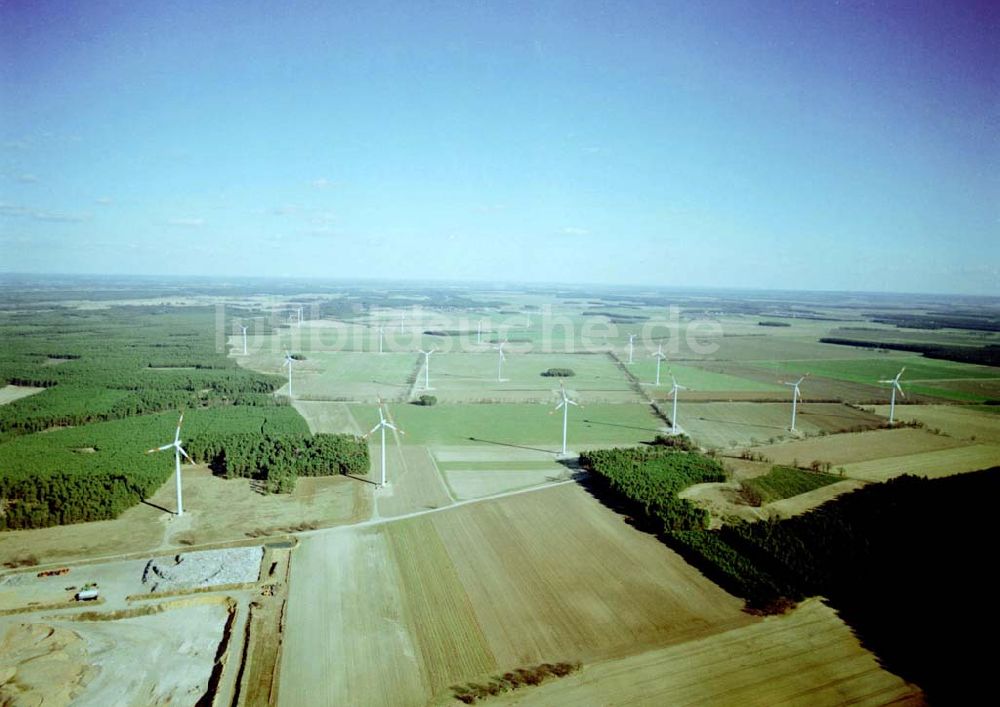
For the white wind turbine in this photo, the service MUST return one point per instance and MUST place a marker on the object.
(382, 425)
(479, 332)
(894, 382)
(402, 317)
(796, 396)
(178, 451)
(677, 387)
(300, 316)
(427, 367)
(564, 403)
(500, 359)
(244, 328)
(659, 355)
(381, 338)
(631, 346)
(289, 361)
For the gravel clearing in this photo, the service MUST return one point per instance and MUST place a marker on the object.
(206, 568)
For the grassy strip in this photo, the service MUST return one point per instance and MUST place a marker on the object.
(785, 482)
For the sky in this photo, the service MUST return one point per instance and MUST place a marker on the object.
(778, 145)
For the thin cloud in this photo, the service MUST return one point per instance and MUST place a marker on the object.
(13, 210)
(574, 231)
(187, 222)
(286, 210)
(322, 183)
(104, 200)
(27, 178)
(60, 217)
(16, 145)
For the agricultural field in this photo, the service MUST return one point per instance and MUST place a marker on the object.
(215, 510)
(923, 376)
(698, 380)
(785, 482)
(342, 376)
(967, 422)
(857, 446)
(514, 426)
(470, 377)
(515, 578)
(932, 465)
(808, 655)
(728, 425)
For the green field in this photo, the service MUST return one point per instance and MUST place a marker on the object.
(922, 376)
(346, 375)
(785, 482)
(470, 377)
(697, 379)
(507, 425)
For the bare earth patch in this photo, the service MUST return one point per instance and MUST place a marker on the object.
(10, 393)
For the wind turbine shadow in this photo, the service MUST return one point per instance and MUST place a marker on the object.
(508, 444)
(157, 507)
(744, 424)
(629, 427)
(361, 478)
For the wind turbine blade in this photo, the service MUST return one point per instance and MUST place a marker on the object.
(391, 426)
(560, 404)
(373, 430)
(186, 455)
(160, 449)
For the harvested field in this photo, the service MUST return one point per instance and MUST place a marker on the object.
(416, 483)
(788, 507)
(215, 510)
(517, 578)
(806, 657)
(857, 446)
(328, 417)
(961, 421)
(699, 379)
(476, 483)
(10, 393)
(738, 424)
(164, 658)
(347, 639)
(527, 563)
(944, 462)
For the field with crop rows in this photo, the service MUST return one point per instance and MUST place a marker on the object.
(808, 656)
(744, 424)
(401, 612)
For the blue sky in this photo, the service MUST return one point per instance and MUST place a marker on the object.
(812, 145)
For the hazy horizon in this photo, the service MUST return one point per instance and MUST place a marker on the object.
(803, 147)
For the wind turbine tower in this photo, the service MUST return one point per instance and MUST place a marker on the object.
(479, 332)
(402, 316)
(300, 316)
(564, 403)
(659, 355)
(500, 361)
(289, 361)
(178, 451)
(677, 387)
(796, 396)
(383, 424)
(631, 346)
(244, 328)
(381, 337)
(894, 382)
(427, 368)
